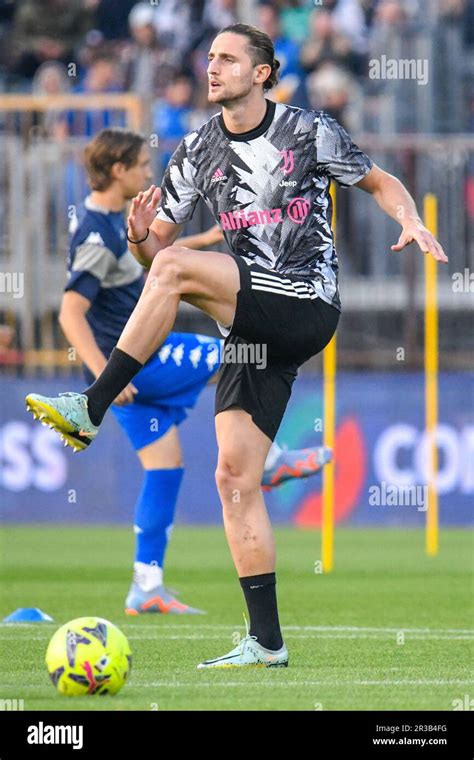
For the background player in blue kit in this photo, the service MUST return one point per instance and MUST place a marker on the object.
(104, 284)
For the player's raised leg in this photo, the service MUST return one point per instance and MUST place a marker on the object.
(208, 279)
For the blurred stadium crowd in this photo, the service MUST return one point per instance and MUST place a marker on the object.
(158, 49)
(418, 125)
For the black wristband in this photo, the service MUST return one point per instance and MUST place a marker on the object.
(137, 242)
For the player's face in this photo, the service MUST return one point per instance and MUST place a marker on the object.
(138, 176)
(231, 71)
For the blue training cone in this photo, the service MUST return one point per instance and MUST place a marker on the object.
(28, 615)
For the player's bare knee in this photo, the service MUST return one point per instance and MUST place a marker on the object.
(166, 270)
(235, 485)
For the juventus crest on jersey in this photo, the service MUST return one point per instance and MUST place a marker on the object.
(268, 189)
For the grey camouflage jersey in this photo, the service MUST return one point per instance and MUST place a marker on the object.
(268, 189)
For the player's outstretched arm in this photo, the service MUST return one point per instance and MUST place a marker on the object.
(151, 234)
(393, 197)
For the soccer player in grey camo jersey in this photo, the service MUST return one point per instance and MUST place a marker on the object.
(264, 171)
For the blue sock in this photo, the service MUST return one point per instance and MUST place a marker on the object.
(154, 514)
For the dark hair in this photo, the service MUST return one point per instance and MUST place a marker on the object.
(260, 48)
(110, 146)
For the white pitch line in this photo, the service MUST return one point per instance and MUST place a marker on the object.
(375, 637)
(221, 626)
(353, 628)
(284, 683)
(437, 682)
(164, 635)
(376, 629)
(318, 638)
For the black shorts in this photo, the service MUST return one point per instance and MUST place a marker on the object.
(272, 335)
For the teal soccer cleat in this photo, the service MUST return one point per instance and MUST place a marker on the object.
(66, 414)
(249, 653)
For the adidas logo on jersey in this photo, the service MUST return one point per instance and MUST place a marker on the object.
(94, 238)
(218, 176)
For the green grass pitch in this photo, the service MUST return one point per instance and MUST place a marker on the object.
(343, 630)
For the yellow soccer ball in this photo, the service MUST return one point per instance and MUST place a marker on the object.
(88, 655)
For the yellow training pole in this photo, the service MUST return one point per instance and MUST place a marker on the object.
(329, 436)
(431, 377)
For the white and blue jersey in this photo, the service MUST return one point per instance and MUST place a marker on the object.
(103, 270)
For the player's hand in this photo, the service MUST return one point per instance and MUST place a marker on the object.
(414, 230)
(143, 212)
(127, 396)
(213, 236)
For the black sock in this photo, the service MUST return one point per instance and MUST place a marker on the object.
(118, 372)
(260, 595)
